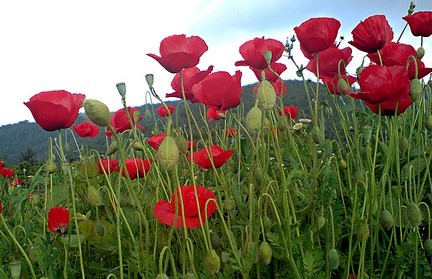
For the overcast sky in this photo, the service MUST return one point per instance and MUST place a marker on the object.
(87, 46)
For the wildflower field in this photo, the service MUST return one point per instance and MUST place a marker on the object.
(344, 191)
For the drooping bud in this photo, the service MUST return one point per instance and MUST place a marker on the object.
(416, 89)
(213, 261)
(342, 85)
(321, 221)
(93, 196)
(147, 114)
(333, 258)
(266, 94)
(112, 148)
(428, 246)
(265, 252)
(50, 167)
(149, 79)
(420, 53)
(253, 119)
(181, 143)
(228, 204)
(403, 144)
(428, 122)
(316, 135)
(97, 112)
(121, 88)
(138, 146)
(414, 215)
(363, 231)
(168, 153)
(386, 219)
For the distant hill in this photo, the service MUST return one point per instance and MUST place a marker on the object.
(26, 139)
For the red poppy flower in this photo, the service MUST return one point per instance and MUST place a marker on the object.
(179, 52)
(6, 172)
(372, 34)
(135, 168)
(191, 76)
(279, 68)
(1, 207)
(214, 114)
(54, 110)
(15, 182)
(317, 34)
(332, 83)
(328, 61)
(86, 129)
(383, 88)
(231, 132)
(219, 91)
(253, 52)
(397, 54)
(120, 121)
(289, 111)
(156, 140)
(190, 207)
(163, 111)
(106, 165)
(420, 23)
(58, 218)
(206, 156)
(1, 164)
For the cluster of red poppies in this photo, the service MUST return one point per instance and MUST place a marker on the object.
(385, 84)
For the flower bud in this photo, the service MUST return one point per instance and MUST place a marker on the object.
(121, 88)
(268, 56)
(403, 144)
(266, 94)
(333, 258)
(317, 136)
(283, 123)
(168, 153)
(213, 261)
(428, 246)
(138, 146)
(428, 122)
(367, 133)
(265, 252)
(15, 269)
(228, 204)
(215, 240)
(147, 114)
(253, 119)
(342, 85)
(321, 221)
(97, 112)
(50, 167)
(112, 148)
(343, 164)
(363, 231)
(149, 79)
(162, 276)
(386, 219)
(416, 89)
(420, 53)
(414, 215)
(359, 70)
(181, 143)
(93, 196)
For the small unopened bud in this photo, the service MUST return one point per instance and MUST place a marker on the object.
(333, 258)
(147, 114)
(367, 133)
(266, 94)
(50, 167)
(428, 122)
(97, 112)
(181, 143)
(416, 89)
(168, 153)
(15, 269)
(265, 252)
(112, 148)
(403, 144)
(420, 53)
(414, 215)
(342, 85)
(268, 56)
(317, 135)
(253, 119)
(149, 79)
(93, 196)
(121, 88)
(213, 261)
(363, 232)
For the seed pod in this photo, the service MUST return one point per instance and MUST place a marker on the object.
(212, 261)
(386, 219)
(416, 89)
(333, 258)
(265, 252)
(97, 112)
(428, 122)
(253, 119)
(266, 94)
(414, 215)
(168, 153)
